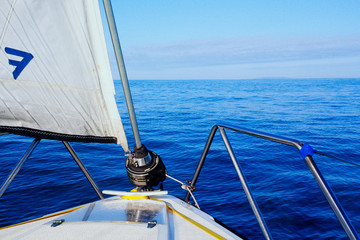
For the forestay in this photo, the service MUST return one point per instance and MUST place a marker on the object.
(55, 76)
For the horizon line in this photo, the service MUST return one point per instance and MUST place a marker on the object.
(240, 79)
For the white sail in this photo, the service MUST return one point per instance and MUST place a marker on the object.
(55, 77)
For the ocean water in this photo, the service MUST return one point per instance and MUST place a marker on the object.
(175, 118)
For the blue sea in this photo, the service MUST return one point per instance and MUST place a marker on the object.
(175, 119)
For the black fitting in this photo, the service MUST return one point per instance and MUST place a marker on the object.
(141, 152)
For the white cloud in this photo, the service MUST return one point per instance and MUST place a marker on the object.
(246, 58)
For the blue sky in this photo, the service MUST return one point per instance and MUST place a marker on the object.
(239, 39)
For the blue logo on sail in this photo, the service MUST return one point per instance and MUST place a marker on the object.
(19, 65)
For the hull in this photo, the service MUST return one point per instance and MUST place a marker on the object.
(141, 217)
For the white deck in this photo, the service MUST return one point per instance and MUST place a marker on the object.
(118, 218)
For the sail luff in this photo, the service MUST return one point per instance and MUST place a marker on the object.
(107, 87)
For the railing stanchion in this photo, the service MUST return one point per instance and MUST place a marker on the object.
(246, 187)
(19, 166)
(332, 199)
(201, 161)
(83, 168)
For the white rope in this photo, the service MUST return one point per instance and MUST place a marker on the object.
(185, 187)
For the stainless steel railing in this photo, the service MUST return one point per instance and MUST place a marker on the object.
(18, 166)
(305, 150)
(26, 156)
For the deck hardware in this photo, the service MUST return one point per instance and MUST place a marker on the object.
(187, 188)
(145, 169)
(151, 224)
(57, 222)
(191, 187)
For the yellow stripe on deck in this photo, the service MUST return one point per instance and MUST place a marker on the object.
(44, 217)
(207, 230)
